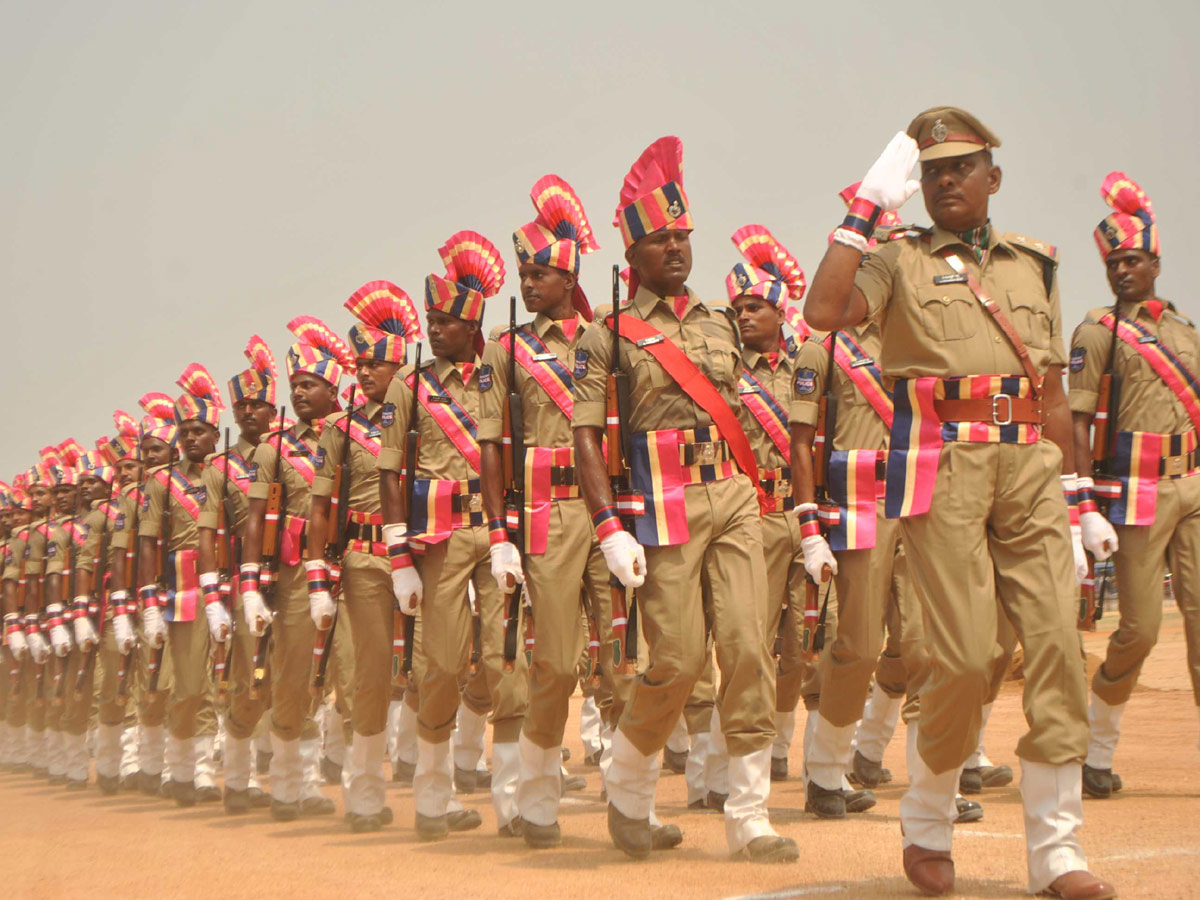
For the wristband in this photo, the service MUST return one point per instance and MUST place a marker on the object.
(605, 521)
(210, 587)
(399, 556)
(248, 577)
(862, 217)
(851, 239)
(54, 615)
(149, 596)
(12, 623)
(31, 624)
(80, 608)
(497, 530)
(1084, 491)
(809, 519)
(318, 575)
(116, 599)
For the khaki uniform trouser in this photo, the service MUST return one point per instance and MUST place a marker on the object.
(1171, 543)
(570, 573)
(446, 639)
(152, 708)
(17, 708)
(293, 635)
(714, 582)
(997, 530)
(870, 583)
(191, 687)
(365, 617)
(35, 708)
(785, 587)
(244, 711)
(76, 712)
(6, 663)
(108, 664)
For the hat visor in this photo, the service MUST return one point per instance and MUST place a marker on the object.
(950, 148)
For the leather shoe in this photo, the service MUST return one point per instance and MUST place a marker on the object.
(131, 782)
(284, 812)
(930, 871)
(514, 827)
(403, 772)
(463, 820)
(541, 837)
(183, 792)
(208, 794)
(330, 771)
(149, 784)
(824, 803)
(566, 753)
(868, 772)
(1117, 783)
(1080, 885)
(262, 761)
(1097, 783)
(316, 806)
(360, 824)
(779, 768)
(572, 783)
(108, 784)
(258, 798)
(592, 759)
(858, 801)
(698, 804)
(970, 781)
(771, 848)
(76, 784)
(968, 811)
(431, 828)
(632, 836)
(236, 802)
(465, 781)
(996, 776)
(665, 837)
(676, 762)
(716, 801)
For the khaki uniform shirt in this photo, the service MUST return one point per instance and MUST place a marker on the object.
(99, 527)
(297, 501)
(214, 486)
(437, 457)
(1145, 402)
(858, 426)
(184, 531)
(709, 340)
(363, 470)
(941, 329)
(545, 423)
(779, 383)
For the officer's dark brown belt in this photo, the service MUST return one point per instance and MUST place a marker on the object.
(999, 409)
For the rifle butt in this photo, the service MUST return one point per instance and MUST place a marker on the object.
(399, 639)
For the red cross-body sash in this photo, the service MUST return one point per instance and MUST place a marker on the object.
(863, 371)
(182, 491)
(1165, 364)
(449, 415)
(239, 472)
(298, 456)
(694, 383)
(544, 367)
(363, 432)
(766, 411)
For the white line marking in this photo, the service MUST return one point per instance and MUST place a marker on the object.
(793, 892)
(1151, 854)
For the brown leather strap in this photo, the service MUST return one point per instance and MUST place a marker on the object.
(1006, 326)
(1000, 409)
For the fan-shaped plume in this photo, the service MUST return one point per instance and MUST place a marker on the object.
(387, 307)
(1124, 194)
(50, 456)
(71, 451)
(316, 333)
(560, 210)
(158, 405)
(360, 396)
(763, 251)
(197, 381)
(259, 354)
(126, 424)
(795, 318)
(659, 163)
(472, 260)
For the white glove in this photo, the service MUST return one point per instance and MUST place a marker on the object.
(817, 556)
(154, 629)
(38, 651)
(85, 633)
(255, 612)
(886, 183)
(219, 623)
(1081, 563)
(60, 640)
(406, 585)
(122, 633)
(15, 641)
(506, 563)
(1099, 537)
(625, 557)
(320, 603)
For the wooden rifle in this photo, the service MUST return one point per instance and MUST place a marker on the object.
(154, 666)
(402, 625)
(813, 635)
(222, 658)
(272, 538)
(97, 604)
(125, 667)
(335, 551)
(1104, 439)
(512, 455)
(618, 406)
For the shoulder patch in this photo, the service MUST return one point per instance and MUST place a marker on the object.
(1078, 356)
(1037, 248)
(806, 381)
(485, 377)
(581, 363)
(387, 415)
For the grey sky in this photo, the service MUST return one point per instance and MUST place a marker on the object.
(177, 176)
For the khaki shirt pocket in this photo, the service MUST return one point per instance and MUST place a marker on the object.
(949, 314)
(719, 363)
(1031, 318)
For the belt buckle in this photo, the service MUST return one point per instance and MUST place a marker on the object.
(783, 487)
(476, 503)
(1174, 466)
(996, 420)
(706, 453)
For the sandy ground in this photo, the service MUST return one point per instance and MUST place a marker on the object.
(1146, 840)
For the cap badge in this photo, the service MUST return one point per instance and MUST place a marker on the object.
(939, 131)
(521, 249)
(742, 279)
(675, 209)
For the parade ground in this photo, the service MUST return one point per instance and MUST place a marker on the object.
(1146, 839)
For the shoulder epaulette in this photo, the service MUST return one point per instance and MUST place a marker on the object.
(494, 334)
(897, 232)
(602, 312)
(1094, 316)
(1182, 319)
(1037, 248)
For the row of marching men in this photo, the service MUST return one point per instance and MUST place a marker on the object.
(727, 472)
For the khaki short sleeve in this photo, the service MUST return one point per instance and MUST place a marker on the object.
(1090, 346)
(491, 399)
(811, 375)
(591, 391)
